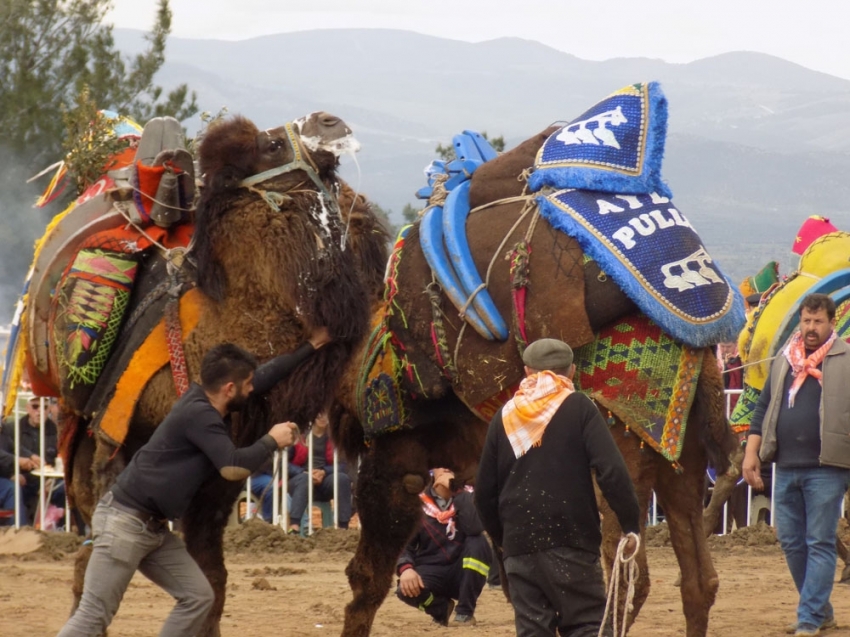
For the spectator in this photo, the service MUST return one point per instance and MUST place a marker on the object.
(729, 362)
(30, 445)
(800, 423)
(448, 559)
(7, 480)
(322, 477)
(535, 494)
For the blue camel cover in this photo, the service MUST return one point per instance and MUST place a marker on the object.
(651, 251)
(615, 146)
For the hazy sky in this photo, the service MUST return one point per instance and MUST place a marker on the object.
(812, 33)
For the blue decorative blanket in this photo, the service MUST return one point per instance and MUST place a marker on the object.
(651, 251)
(615, 146)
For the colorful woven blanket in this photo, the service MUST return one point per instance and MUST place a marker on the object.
(380, 399)
(654, 255)
(644, 377)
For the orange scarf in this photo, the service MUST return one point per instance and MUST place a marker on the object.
(803, 366)
(446, 517)
(526, 415)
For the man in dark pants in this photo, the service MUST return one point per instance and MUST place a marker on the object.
(801, 423)
(534, 492)
(448, 559)
(192, 444)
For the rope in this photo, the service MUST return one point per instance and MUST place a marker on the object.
(632, 571)
(529, 205)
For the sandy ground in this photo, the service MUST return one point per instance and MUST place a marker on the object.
(290, 586)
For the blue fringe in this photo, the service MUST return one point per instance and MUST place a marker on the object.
(588, 178)
(725, 328)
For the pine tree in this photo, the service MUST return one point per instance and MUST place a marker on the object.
(53, 50)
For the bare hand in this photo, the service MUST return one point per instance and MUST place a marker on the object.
(319, 337)
(22, 480)
(442, 483)
(318, 476)
(26, 464)
(36, 461)
(284, 434)
(752, 471)
(410, 583)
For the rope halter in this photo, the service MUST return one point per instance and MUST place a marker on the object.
(274, 199)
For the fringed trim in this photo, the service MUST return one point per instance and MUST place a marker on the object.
(151, 356)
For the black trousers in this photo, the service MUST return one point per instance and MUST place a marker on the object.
(463, 580)
(557, 591)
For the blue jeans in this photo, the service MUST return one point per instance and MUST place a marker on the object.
(808, 502)
(300, 483)
(7, 501)
(261, 487)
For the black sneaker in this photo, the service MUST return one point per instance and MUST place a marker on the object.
(444, 620)
(464, 620)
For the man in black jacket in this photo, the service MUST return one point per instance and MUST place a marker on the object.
(192, 445)
(534, 493)
(448, 559)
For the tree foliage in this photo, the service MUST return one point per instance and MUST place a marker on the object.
(51, 51)
(447, 152)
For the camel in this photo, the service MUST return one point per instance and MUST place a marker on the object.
(272, 259)
(568, 299)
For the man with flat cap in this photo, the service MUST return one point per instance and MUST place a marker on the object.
(534, 493)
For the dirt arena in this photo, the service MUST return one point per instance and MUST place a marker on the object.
(296, 587)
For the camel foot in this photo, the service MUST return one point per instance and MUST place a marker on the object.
(845, 575)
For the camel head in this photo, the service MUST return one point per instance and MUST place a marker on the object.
(236, 149)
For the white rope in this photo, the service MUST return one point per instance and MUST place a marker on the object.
(629, 564)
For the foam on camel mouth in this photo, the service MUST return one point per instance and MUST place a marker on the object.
(347, 145)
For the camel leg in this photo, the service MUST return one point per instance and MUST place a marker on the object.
(92, 457)
(723, 489)
(641, 466)
(203, 531)
(392, 475)
(681, 497)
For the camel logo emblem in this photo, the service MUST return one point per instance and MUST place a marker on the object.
(579, 133)
(686, 278)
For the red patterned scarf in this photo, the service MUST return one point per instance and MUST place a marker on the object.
(446, 517)
(802, 365)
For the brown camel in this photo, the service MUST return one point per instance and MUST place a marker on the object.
(568, 299)
(271, 263)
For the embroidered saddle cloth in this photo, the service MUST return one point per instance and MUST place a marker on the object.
(644, 377)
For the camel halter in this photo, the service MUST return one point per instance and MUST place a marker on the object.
(297, 163)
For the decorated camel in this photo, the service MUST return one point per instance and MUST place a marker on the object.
(430, 379)
(278, 247)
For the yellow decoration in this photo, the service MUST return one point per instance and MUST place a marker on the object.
(151, 357)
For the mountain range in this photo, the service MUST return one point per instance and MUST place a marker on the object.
(755, 143)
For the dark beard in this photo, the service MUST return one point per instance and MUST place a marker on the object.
(236, 403)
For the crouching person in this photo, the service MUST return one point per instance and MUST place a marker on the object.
(448, 558)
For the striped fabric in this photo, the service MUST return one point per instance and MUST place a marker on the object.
(476, 565)
(526, 415)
